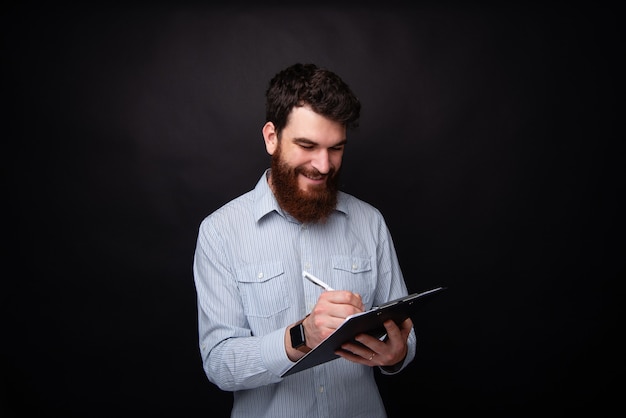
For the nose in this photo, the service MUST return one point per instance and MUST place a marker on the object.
(321, 161)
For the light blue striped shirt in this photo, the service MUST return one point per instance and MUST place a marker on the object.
(248, 276)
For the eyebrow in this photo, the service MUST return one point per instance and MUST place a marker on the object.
(311, 142)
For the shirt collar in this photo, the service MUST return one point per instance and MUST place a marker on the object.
(265, 202)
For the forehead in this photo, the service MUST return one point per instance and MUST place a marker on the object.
(304, 123)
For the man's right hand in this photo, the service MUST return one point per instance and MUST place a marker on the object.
(331, 309)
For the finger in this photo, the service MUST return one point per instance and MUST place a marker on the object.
(359, 355)
(392, 329)
(343, 297)
(361, 349)
(361, 306)
(407, 324)
(337, 306)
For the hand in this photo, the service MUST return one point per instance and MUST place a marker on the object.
(373, 352)
(331, 309)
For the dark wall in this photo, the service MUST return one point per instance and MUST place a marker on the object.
(488, 140)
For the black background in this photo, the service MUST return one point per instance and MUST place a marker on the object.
(488, 140)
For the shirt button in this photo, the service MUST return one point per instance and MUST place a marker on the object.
(260, 275)
(321, 389)
(307, 266)
(354, 267)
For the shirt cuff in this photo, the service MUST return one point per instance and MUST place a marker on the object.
(273, 352)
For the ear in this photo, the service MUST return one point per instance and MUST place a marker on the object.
(271, 137)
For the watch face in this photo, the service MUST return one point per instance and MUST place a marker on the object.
(297, 336)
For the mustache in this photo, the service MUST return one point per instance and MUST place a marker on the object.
(313, 172)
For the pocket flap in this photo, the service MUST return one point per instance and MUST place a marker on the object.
(351, 264)
(258, 273)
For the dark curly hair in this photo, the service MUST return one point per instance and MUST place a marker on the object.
(307, 84)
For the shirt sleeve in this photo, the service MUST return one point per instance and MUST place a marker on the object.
(232, 358)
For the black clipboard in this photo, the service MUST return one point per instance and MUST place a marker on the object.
(370, 322)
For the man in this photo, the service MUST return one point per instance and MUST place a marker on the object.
(250, 256)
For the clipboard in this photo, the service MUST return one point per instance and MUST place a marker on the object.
(370, 322)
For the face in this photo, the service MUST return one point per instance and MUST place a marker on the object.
(306, 163)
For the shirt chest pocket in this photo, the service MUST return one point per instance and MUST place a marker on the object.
(356, 274)
(263, 289)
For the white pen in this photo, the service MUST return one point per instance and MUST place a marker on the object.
(315, 280)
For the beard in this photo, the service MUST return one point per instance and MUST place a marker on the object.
(312, 205)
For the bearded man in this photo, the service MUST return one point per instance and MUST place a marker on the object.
(257, 315)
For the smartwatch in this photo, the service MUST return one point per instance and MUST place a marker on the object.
(298, 340)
